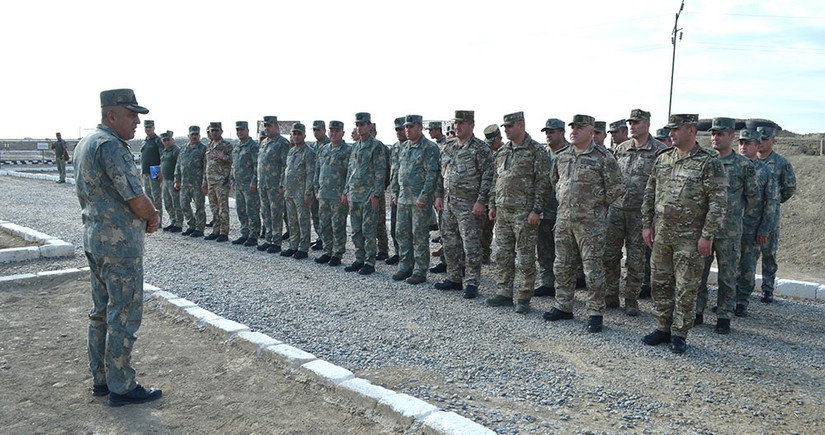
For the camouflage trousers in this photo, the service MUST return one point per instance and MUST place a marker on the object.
(726, 252)
(61, 168)
(584, 240)
(219, 204)
(187, 195)
(332, 219)
(676, 270)
(746, 279)
(461, 237)
(272, 210)
(153, 189)
(515, 250)
(171, 201)
(381, 226)
(413, 235)
(117, 310)
(769, 266)
(624, 229)
(300, 222)
(393, 220)
(487, 240)
(546, 252)
(362, 218)
(646, 280)
(314, 213)
(248, 207)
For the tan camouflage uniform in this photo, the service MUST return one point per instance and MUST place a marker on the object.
(218, 170)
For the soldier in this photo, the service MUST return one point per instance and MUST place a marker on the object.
(150, 156)
(401, 135)
(218, 172)
(245, 183)
(116, 213)
(545, 239)
(298, 191)
(521, 184)
(365, 189)
(61, 155)
(189, 177)
(319, 130)
(741, 196)
(171, 195)
(618, 132)
(271, 162)
(624, 229)
(381, 236)
(414, 180)
(683, 208)
(587, 180)
(492, 136)
(467, 168)
(663, 136)
(758, 222)
(330, 180)
(600, 133)
(785, 177)
(435, 129)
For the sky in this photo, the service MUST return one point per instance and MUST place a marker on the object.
(193, 62)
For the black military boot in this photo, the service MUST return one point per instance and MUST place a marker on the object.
(767, 297)
(722, 326)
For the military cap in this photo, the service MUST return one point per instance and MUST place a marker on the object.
(676, 121)
(553, 124)
(270, 120)
(363, 117)
(464, 115)
(766, 132)
(215, 126)
(413, 119)
(749, 135)
(582, 120)
(241, 124)
(616, 125)
(318, 124)
(338, 125)
(662, 133)
(194, 129)
(399, 123)
(299, 127)
(600, 126)
(147, 123)
(167, 135)
(722, 124)
(491, 132)
(435, 125)
(511, 118)
(639, 115)
(121, 97)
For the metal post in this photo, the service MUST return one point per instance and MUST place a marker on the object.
(676, 30)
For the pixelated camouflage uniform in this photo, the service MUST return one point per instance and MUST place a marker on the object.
(330, 180)
(271, 162)
(189, 172)
(244, 174)
(365, 180)
(381, 235)
(314, 202)
(297, 183)
(786, 178)
(545, 237)
(759, 220)
(393, 154)
(171, 197)
(150, 156)
(218, 173)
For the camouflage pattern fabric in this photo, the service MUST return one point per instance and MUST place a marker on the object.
(60, 157)
(245, 173)
(189, 172)
(271, 162)
(515, 250)
(786, 179)
(381, 230)
(365, 180)
(330, 181)
(218, 172)
(298, 187)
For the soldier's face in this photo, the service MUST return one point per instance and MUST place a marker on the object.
(270, 130)
(464, 129)
(765, 145)
(194, 138)
(721, 140)
(413, 131)
(363, 129)
(554, 136)
(599, 137)
(619, 135)
(243, 133)
(747, 148)
(683, 137)
(436, 133)
(298, 137)
(581, 134)
(336, 135)
(168, 142)
(320, 133)
(514, 131)
(124, 122)
(215, 134)
(638, 128)
(400, 134)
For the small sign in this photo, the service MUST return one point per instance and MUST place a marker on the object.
(42, 146)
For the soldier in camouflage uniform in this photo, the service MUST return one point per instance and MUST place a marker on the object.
(245, 181)
(381, 234)
(271, 161)
(330, 180)
(741, 196)
(618, 133)
(600, 133)
(436, 130)
(401, 135)
(364, 191)
(150, 156)
(61, 154)
(189, 178)
(297, 186)
(683, 207)
(587, 180)
(624, 228)
(786, 179)
(414, 181)
(467, 169)
(116, 213)
(171, 195)
(663, 136)
(545, 239)
(492, 135)
(319, 130)
(758, 222)
(218, 172)
(521, 185)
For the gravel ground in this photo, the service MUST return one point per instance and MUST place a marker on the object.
(512, 373)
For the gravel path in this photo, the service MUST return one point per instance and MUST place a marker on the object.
(512, 373)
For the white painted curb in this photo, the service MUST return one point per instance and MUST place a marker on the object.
(51, 247)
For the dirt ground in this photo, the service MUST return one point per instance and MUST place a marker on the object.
(46, 382)
(11, 241)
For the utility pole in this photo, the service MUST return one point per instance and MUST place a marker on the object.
(676, 30)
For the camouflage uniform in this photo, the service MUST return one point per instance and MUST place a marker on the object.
(381, 230)
(150, 156)
(218, 173)
(414, 178)
(314, 202)
(365, 180)
(271, 163)
(741, 196)
(171, 197)
(60, 155)
(393, 152)
(685, 197)
(330, 180)
(297, 183)
(586, 183)
(245, 173)
(786, 179)
(189, 172)
(759, 220)
(624, 221)
(545, 238)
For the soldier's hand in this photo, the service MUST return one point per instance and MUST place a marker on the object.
(153, 224)
(479, 209)
(253, 187)
(648, 235)
(438, 204)
(177, 186)
(204, 189)
(395, 200)
(705, 247)
(160, 177)
(533, 218)
(374, 203)
(420, 204)
(307, 201)
(491, 214)
(344, 199)
(761, 240)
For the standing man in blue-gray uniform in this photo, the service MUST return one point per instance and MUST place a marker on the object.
(245, 181)
(545, 238)
(436, 130)
(150, 156)
(61, 155)
(115, 214)
(319, 130)
(364, 190)
(785, 177)
(171, 194)
(330, 179)
(189, 177)
(401, 135)
(271, 162)
(298, 189)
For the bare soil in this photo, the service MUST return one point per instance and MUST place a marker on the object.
(11, 241)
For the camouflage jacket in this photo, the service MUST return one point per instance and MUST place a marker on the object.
(586, 183)
(415, 172)
(365, 173)
(150, 153)
(741, 193)
(218, 163)
(271, 161)
(106, 179)
(521, 180)
(315, 146)
(331, 170)
(168, 162)
(552, 204)
(189, 170)
(784, 173)
(467, 171)
(245, 163)
(685, 195)
(299, 172)
(762, 218)
(635, 164)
